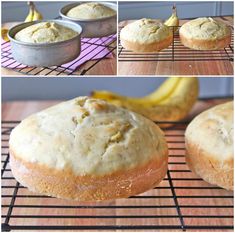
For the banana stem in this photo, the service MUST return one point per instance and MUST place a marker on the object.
(174, 10)
(31, 5)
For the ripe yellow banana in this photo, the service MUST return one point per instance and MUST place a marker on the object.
(29, 17)
(37, 15)
(171, 102)
(173, 20)
(4, 32)
(33, 14)
(162, 93)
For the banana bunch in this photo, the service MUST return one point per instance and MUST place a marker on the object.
(33, 14)
(172, 101)
(173, 21)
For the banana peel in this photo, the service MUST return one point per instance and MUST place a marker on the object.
(37, 15)
(162, 93)
(172, 101)
(173, 21)
(29, 17)
(33, 14)
(4, 32)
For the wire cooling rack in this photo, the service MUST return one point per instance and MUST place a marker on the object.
(181, 202)
(176, 52)
(96, 46)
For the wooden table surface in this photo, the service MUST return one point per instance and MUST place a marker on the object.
(19, 110)
(220, 67)
(107, 66)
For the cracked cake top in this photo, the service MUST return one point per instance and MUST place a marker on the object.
(205, 29)
(45, 32)
(145, 31)
(87, 136)
(91, 10)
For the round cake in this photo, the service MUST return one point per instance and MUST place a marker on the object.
(91, 10)
(209, 145)
(45, 32)
(205, 34)
(146, 35)
(86, 149)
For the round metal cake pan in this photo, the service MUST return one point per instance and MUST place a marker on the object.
(45, 54)
(93, 28)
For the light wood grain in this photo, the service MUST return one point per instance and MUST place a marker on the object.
(107, 66)
(222, 67)
(18, 110)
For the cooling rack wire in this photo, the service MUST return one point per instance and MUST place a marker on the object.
(182, 201)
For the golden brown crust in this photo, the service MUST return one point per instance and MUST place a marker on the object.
(152, 47)
(64, 184)
(205, 44)
(208, 168)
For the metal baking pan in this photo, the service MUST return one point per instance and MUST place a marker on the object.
(93, 28)
(45, 54)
